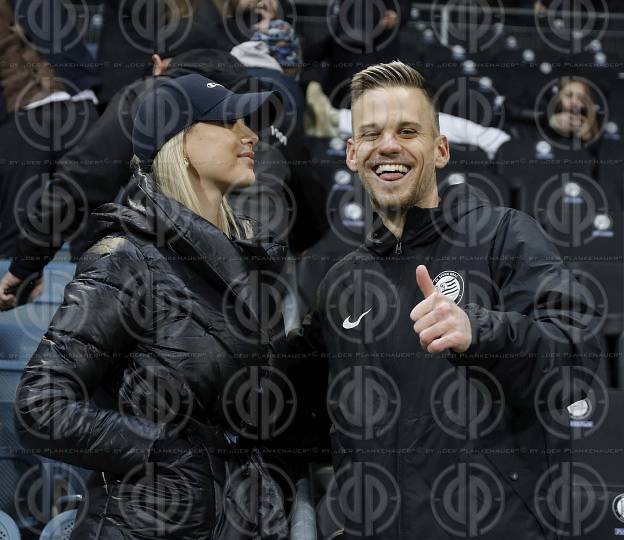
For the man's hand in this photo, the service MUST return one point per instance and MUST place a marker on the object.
(440, 323)
(9, 286)
(390, 19)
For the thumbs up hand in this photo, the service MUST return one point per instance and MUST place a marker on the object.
(439, 322)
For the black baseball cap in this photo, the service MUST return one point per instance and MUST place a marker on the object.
(178, 103)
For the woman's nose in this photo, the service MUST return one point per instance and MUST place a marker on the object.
(248, 135)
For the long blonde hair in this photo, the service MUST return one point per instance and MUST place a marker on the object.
(172, 176)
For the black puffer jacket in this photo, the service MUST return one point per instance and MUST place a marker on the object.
(135, 365)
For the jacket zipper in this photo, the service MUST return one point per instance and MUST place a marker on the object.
(398, 248)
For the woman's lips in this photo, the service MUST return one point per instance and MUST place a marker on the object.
(248, 156)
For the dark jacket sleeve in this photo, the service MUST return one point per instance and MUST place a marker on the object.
(306, 367)
(89, 175)
(544, 320)
(86, 342)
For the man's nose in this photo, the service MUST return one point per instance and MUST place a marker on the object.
(389, 144)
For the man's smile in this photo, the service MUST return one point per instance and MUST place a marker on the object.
(388, 171)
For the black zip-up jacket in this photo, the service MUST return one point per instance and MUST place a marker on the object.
(435, 446)
(161, 316)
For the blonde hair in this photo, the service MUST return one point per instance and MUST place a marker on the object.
(172, 177)
(391, 74)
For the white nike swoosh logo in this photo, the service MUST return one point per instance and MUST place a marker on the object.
(348, 324)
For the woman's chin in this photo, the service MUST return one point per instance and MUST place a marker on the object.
(245, 181)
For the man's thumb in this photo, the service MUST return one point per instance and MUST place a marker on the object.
(424, 281)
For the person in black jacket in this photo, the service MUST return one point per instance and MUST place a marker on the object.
(97, 167)
(455, 337)
(95, 170)
(138, 372)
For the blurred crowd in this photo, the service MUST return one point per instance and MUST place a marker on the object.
(66, 108)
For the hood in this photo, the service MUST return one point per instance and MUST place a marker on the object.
(425, 225)
(148, 214)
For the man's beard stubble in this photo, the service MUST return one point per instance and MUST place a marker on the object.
(401, 203)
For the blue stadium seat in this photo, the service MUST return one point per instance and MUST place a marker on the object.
(21, 330)
(60, 527)
(8, 528)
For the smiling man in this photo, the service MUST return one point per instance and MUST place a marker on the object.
(453, 337)
(396, 135)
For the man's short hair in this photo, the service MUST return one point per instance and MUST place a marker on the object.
(389, 75)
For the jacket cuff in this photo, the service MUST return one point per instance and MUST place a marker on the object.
(470, 356)
(22, 271)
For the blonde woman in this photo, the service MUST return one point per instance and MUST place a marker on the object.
(131, 378)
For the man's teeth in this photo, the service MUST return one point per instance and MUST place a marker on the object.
(392, 168)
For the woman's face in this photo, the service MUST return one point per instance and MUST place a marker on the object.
(575, 97)
(222, 153)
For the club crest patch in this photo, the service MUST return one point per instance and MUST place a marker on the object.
(450, 284)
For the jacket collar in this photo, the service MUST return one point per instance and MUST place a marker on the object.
(147, 212)
(425, 225)
(420, 228)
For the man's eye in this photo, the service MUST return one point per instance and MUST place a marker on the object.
(369, 134)
(408, 132)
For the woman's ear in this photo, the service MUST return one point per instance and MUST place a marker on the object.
(185, 157)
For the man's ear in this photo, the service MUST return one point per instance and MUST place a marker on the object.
(442, 152)
(351, 161)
